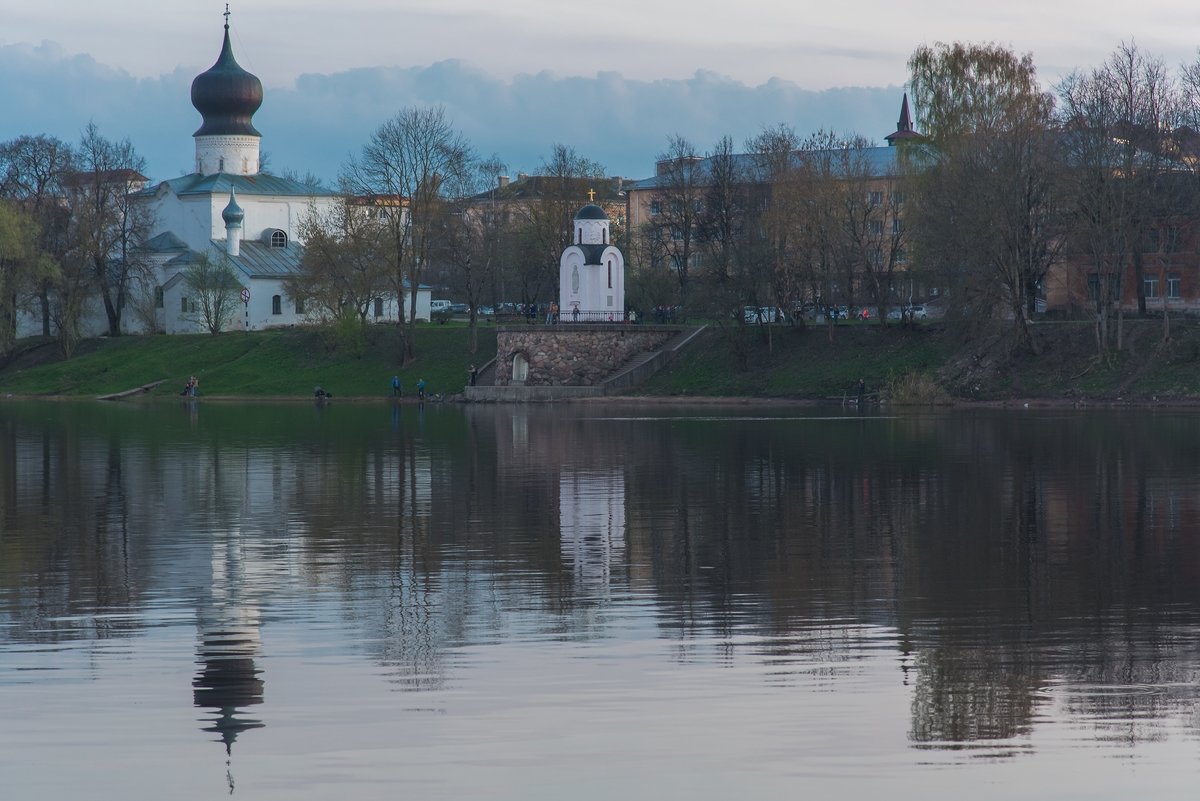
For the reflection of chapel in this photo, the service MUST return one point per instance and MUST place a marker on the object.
(591, 272)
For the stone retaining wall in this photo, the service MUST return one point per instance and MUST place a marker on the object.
(573, 355)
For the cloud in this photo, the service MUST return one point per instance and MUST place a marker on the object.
(324, 119)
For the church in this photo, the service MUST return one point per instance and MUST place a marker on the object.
(232, 213)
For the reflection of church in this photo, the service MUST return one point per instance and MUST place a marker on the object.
(228, 624)
(591, 509)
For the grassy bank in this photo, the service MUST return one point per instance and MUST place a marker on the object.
(929, 363)
(278, 363)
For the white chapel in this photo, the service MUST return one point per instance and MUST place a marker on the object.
(591, 272)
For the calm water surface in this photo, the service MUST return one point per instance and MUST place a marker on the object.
(596, 602)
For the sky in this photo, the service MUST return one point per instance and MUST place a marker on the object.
(613, 79)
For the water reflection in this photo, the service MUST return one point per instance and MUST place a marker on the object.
(1010, 571)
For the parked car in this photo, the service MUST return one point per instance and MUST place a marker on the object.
(760, 314)
(459, 308)
(908, 313)
(485, 311)
(436, 306)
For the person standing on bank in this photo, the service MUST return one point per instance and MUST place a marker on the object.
(397, 392)
(862, 391)
(421, 389)
(474, 371)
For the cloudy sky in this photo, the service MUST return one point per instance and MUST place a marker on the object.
(612, 78)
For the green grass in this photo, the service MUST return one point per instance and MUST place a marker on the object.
(798, 363)
(277, 363)
(802, 362)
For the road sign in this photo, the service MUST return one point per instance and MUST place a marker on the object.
(245, 295)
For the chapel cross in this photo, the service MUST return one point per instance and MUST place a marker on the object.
(591, 194)
(227, 15)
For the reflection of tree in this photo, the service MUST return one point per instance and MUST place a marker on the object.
(1017, 562)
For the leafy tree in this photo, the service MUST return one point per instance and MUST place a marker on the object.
(21, 265)
(31, 174)
(988, 209)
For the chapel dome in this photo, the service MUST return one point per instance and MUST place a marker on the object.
(227, 96)
(591, 212)
(233, 213)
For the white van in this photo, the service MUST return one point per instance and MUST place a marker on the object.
(436, 306)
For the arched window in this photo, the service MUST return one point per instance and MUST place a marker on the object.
(579, 235)
(610, 273)
(278, 239)
(158, 297)
(276, 304)
(378, 307)
(604, 235)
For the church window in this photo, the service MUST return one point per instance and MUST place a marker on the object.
(604, 236)
(278, 239)
(276, 304)
(221, 165)
(610, 273)
(378, 307)
(183, 305)
(158, 297)
(299, 305)
(579, 235)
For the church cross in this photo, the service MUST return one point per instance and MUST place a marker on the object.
(591, 194)
(227, 15)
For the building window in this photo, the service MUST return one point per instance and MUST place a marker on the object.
(183, 305)
(279, 240)
(276, 304)
(656, 207)
(876, 227)
(578, 235)
(897, 198)
(901, 256)
(1174, 287)
(158, 297)
(876, 198)
(897, 225)
(378, 307)
(299, 305)
(1150, 285)
(609, 272)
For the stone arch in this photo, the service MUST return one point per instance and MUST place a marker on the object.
(520, 368)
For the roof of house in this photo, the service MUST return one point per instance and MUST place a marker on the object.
(221, 183)
(878, 161)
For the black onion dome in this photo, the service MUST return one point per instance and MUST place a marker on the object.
(591, 212)
(227, 96)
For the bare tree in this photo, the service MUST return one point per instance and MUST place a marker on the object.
(679, 205)
(543, 220)
(345, 266)
(108, 224)
(406, 161)
(215, 287)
